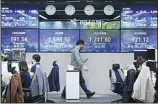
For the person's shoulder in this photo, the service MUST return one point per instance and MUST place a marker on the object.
(56, 66)
(74, 49)
(33, 66)
(23, 73)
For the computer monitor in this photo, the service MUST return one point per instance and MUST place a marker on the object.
(138, 53)
(151, 54)
(18, 53)
(8, 54)
(152, 65)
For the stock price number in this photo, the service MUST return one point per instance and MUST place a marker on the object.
(59, 39)
(100, 39)
(140, 39)
(18, 39)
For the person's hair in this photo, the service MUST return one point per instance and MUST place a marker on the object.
(23, 66)
(13, 71)
(36, 57)
(80, 42)
(2, 58)
(140, 60)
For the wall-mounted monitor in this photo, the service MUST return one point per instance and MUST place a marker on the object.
(138, 40)
(152, 65)
(58, 40)
(139, 17)
(80, 24)
(100, 40)
(59, 25)
(20, 38)
(140, 53)
(19, 17)
(18, 54)
(111, 24)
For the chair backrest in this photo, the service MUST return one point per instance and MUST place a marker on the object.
(116, 73)
(115, 66)
(116, 76)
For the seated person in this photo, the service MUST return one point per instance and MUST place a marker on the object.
(24, 74)
(143, 89)
(36, 61)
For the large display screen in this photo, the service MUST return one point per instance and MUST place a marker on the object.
(59, 25)
(90, 24)
(20, 38)
(139, 17)
(100, 40)
(58, 40)
(82, 24)
(138, 40)
(111, 25)
(19, 17)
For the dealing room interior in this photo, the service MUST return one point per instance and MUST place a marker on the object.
(51, 48)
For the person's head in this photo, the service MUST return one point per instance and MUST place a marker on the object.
(13, 70)
(2, 57)
(23, 66)
(80, 43)
(36, 58)
(140, 60)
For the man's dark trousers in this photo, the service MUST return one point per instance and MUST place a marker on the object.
(82, 84)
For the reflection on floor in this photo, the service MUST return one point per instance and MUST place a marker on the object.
(83, 99)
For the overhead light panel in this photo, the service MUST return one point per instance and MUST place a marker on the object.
(91, 1)
(43, 17)
(73, 1)
(50, 1)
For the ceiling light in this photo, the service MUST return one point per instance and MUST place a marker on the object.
(43, 17)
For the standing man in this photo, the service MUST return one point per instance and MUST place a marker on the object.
(78, 65)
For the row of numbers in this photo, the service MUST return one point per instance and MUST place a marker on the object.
(140, 39)
(17, 24)
(18, 39)
(100, 46)
(140, 46)
(60, 46)
(140, 25)
(100, 39)
(19, 18)
(19, 46)
(58, 39)
(127, 17)
(141, 11)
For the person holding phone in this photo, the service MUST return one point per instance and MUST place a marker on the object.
(79, 65)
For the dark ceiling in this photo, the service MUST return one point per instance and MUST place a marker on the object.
(79, 5)
(77, 1)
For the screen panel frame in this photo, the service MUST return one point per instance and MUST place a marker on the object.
(22, 29)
